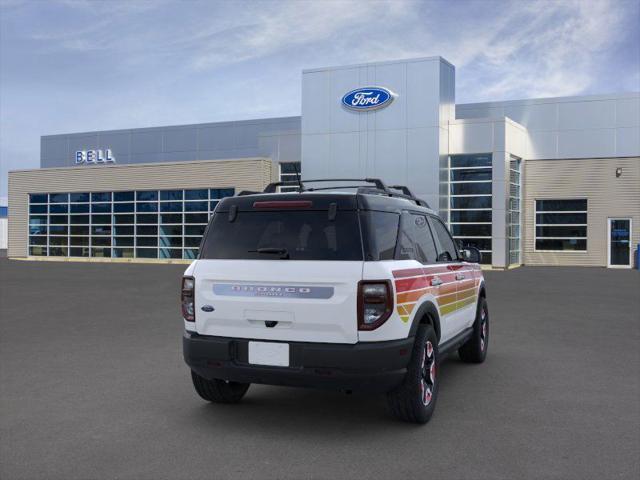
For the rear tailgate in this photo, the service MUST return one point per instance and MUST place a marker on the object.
(304, 301)
(281, 267)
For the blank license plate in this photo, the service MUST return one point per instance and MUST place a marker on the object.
(269, 353)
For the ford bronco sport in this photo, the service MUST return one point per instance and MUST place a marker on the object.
(345, 287)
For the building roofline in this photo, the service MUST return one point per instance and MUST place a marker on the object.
(384, 62)
(133, 165)
(535, 101)
(252, 121)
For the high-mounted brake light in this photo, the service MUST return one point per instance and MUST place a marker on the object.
(375, 303)
(187, 299)
(283, 204)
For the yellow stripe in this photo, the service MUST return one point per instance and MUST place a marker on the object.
(465, 295)
(446, 299)
(466, 301)
(404, 319)
(447, 309)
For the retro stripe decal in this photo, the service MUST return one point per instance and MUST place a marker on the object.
(412, 283)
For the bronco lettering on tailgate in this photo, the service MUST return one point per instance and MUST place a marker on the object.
(287, 291)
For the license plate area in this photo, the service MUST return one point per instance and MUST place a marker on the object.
(269, 353)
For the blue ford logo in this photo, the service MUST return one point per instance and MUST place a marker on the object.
(368, 98)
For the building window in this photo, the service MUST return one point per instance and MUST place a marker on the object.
(561, 225)
(513, 215)
(289, 173)
(470, 190)
(131, 224)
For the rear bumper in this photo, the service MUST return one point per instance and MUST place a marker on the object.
(373, 367)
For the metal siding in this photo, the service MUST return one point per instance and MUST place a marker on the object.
(3, 233)
(607, 196)
(603, 126)
(245, 174)
(382, 143)
(275, 138)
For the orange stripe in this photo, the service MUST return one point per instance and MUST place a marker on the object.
(446, 289)
(463, 285)
(416, 283)
(409, 308)
(411, 296)
(447, 299)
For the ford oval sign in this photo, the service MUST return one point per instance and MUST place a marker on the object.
(368, 98)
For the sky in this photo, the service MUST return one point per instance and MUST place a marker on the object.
(73, 66)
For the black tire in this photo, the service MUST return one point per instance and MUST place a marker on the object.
(415, 399)
(474, 350)
(219, 391)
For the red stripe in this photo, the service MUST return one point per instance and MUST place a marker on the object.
(410, 272)
(412, 284)
(414, 272)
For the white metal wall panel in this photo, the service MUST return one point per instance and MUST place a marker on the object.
(4, 232)
(604, 126)
(585, 115)
(627, 141)
(399, 143)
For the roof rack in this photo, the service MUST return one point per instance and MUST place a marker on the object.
(378, 188)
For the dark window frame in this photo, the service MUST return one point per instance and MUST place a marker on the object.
(436, 238)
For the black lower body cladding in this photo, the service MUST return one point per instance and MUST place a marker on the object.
(370, 367)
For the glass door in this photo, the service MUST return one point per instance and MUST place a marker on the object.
(619, 251)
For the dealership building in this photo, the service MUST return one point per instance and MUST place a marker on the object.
(547, 181)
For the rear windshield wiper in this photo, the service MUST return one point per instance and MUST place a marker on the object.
(283, 252)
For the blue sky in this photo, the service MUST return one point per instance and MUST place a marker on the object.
(69, 66)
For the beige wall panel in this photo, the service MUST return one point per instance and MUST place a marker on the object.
(245, 174)
(607, 196)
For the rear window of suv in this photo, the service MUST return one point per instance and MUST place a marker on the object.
(277, 235)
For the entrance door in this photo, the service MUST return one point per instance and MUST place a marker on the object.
(619, 245)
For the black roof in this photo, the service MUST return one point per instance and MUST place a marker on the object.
(321, 201)
(367, 194)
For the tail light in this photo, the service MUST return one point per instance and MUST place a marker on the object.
(187, 297)
(375, 303)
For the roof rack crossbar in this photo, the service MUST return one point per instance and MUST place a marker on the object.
(273, 187)
(376, 181)
(406, 192)
(337, 187)
(378, 187)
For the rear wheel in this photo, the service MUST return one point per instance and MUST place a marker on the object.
(415, 399)
(475, 349)
(219, 391)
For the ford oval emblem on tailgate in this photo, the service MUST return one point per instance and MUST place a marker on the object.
(207, 308)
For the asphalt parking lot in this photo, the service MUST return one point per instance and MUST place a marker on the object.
(92, 385)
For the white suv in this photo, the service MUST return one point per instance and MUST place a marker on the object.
(345, 287)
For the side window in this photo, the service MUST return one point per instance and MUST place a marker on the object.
(447, 251)
(380, 234)
(416, 242)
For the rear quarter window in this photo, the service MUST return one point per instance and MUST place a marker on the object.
(380, 231)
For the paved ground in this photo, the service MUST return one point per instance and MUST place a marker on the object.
(92, 385)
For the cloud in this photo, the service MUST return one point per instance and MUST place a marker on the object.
(70, 66)
(555, 49)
